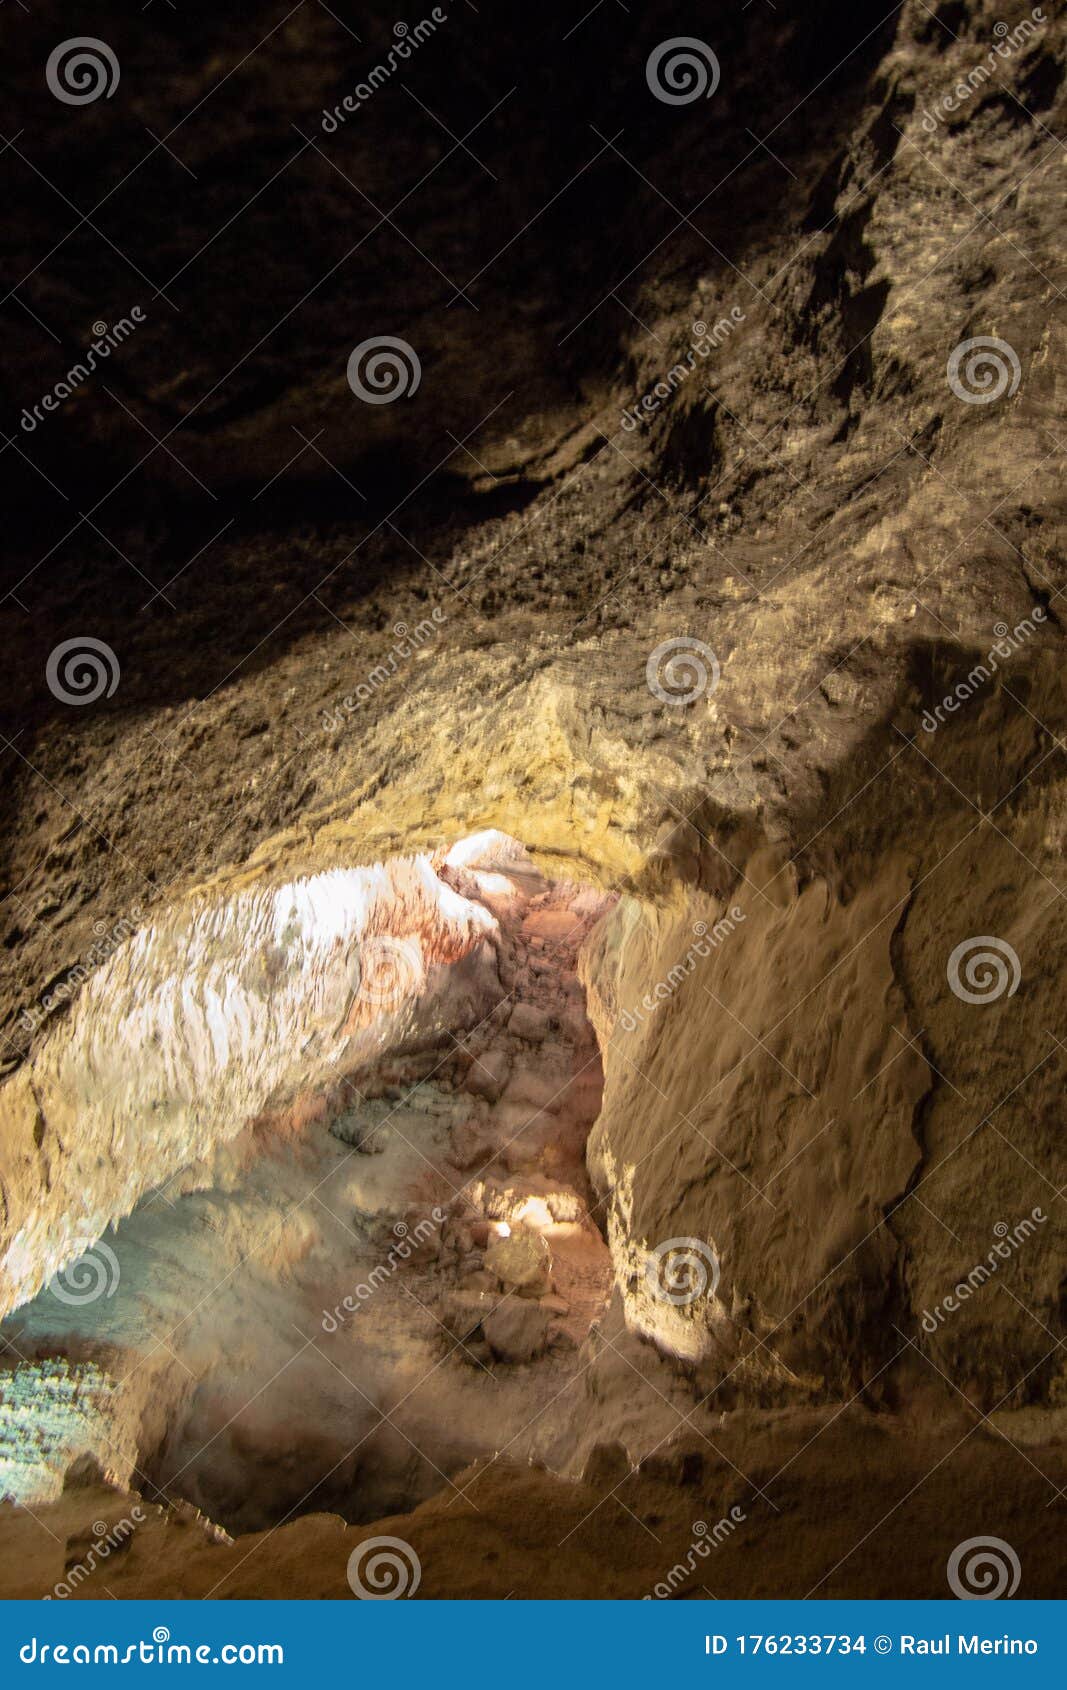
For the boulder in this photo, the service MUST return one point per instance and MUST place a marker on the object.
(470, 1146)
(529, 1023)
(462, 1312)
(522, 1262)
(517, 1330)
(488, 1075)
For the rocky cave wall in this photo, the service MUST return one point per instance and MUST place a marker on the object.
(819, 507)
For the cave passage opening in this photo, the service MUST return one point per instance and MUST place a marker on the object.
(381, 1278)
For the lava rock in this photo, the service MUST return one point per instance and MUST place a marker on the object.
(470, 1147)
(529, 1023)
(462, 1312)
(517, 1330)
(488, 1076)
(522, 1262)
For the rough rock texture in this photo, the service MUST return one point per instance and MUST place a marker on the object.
(209, 1018)
(447, 614)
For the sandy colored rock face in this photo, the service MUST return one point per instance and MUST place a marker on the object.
(698, 564)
